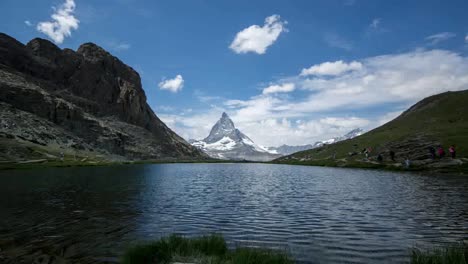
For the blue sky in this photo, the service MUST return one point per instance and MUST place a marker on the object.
(314, 70)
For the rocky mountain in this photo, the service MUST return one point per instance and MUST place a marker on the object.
(225, 141)
(84, 103)
(287, 150)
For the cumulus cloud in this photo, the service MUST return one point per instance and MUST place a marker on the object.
(439, 37)
(332, 68)
(258, 38)
(63, 22)
(332, 105)
(397, 78)
(279, 88)
(173, 85)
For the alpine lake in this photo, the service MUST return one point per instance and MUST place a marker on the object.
(315, 214)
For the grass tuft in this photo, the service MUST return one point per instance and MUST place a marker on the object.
(207, 249)
(457, 254)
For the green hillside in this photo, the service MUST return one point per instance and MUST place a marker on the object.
(437, 120)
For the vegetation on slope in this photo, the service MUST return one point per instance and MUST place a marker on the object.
(440, 120)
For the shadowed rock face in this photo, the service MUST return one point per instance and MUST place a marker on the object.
(90, 94)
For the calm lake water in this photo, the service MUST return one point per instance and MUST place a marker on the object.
(319, 215)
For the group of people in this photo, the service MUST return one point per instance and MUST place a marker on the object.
(434, 153)
(441, 152)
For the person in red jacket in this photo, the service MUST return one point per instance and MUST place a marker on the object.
(441, 152)
(452, 151)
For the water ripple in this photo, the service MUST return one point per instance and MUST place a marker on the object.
(319, 215)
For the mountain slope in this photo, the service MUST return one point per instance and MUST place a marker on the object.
(81, 103)
(437, 120)
(225, 141)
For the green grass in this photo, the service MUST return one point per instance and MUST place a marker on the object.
(207, 249)
(440, 119)
(457, 254)
(90, 163)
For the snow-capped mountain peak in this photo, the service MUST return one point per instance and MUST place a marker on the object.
(225, 141)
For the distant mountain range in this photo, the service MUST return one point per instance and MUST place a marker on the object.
(225, 141)
(287, 150)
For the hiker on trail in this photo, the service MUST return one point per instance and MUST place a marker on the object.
(452, 151)
(432, 151)
(380, 157)
(441, 152)
(367, 152)
(407, 162)
(392, 155)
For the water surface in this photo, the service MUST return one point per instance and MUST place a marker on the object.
(319, 215)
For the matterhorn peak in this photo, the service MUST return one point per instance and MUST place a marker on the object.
(222, 128)
(225, 141)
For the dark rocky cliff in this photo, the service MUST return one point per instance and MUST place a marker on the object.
(85, 102)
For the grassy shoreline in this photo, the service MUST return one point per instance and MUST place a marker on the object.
(14, 165)
(207, 249)
(459, 169)
(213, 250)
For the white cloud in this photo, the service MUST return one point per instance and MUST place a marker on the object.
(375, 23)
(173, 85)
(351, 122)
(466, 38)
(336, 41)
(332, 68)
(258, 38)
(405, 77)
(440, 37)
(332, 105)
(279, 88)
(28, 23)
(63, 22)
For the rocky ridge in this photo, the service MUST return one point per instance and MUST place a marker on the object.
(80, 103)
